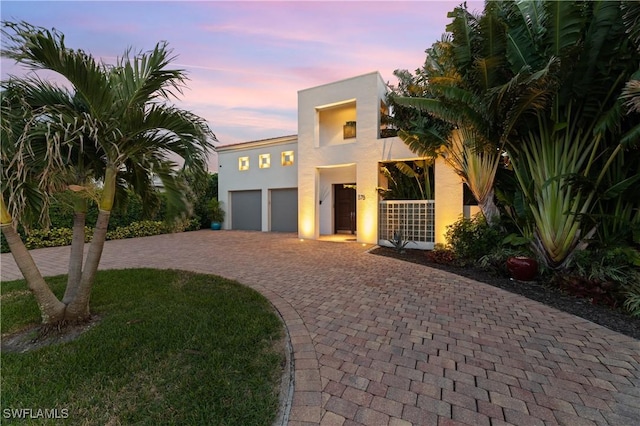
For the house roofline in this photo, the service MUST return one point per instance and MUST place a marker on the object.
(281, 140)
(344, 80)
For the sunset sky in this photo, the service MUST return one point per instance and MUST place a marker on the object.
(247, 60)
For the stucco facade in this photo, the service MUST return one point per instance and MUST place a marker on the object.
(327, 158)
(240, 170)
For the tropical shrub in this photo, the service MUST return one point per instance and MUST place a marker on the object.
(54, 237)
(145, 228)
(441, 254)
(399, 242)
(408, 180)
(495, 262)
(609, 276)
(632, 302)
(215, 212)
(129, 209)
(203, 189)
(555, 85)
(471, 239)
(59, 232)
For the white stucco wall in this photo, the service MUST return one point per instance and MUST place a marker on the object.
(362, 154)
(448, 197)
(276, 176)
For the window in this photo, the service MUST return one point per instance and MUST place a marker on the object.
(287, 158)
(243, 163)
(264, 161)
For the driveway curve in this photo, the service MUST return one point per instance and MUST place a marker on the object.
(377, 341)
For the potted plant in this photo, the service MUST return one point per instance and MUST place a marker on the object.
(522, 268)
(216, 214)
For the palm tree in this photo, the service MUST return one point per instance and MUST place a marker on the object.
(465, 76)
(114, 128)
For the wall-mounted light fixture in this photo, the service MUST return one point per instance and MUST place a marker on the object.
(349, 130)
(287, 158)
(264, 161)
(243, 163)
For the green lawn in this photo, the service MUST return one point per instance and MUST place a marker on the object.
(171, 348)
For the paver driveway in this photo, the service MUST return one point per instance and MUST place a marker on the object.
(377, 341)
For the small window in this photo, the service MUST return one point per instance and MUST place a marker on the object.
(243, 163)
(287, 158)
(264, 161)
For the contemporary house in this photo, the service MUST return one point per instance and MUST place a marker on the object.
(326, 180)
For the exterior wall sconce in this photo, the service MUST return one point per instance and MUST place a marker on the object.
(349, 130)
(243, 163)
(265, 161)
(287, 158)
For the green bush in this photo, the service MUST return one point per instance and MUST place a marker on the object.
(441, 254)
(605, 275)
(203, 191)
(632, 301)
(39, 238)
(471, 239)
(145, 228)
(127, 212)
(55, 237)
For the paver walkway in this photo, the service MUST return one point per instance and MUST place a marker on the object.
(377, 341)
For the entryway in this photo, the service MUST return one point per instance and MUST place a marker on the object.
(344, 208)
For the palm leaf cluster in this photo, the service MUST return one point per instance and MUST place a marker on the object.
(105, 129)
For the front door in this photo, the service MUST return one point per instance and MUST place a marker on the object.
(345, 209)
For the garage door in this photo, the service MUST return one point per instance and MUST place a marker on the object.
(246, 210)
(284, 210)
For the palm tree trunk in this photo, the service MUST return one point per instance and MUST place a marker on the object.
(51, 309)
(78, 308)
(76, 257)
(489, 209)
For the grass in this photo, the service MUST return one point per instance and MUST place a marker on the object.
(171, 347)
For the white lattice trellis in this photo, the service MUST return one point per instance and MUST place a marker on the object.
(414, 218)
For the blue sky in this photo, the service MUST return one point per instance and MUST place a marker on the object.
(247, 60)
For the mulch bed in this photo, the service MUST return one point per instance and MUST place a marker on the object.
(612, 319)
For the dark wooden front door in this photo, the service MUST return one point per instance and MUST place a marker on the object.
(345, 209)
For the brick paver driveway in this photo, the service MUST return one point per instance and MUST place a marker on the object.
(377, 341)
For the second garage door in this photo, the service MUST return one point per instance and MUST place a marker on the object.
(284, 210)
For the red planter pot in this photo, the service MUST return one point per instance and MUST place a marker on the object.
(522, 268)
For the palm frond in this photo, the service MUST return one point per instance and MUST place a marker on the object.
(524, 23)
(42, 49)
(427, 143)
(564, 22)
(145, 77)
(600, 35)
(632, 137)
(631, 95)
(461, 29)
(631, 19)
(406, 170)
